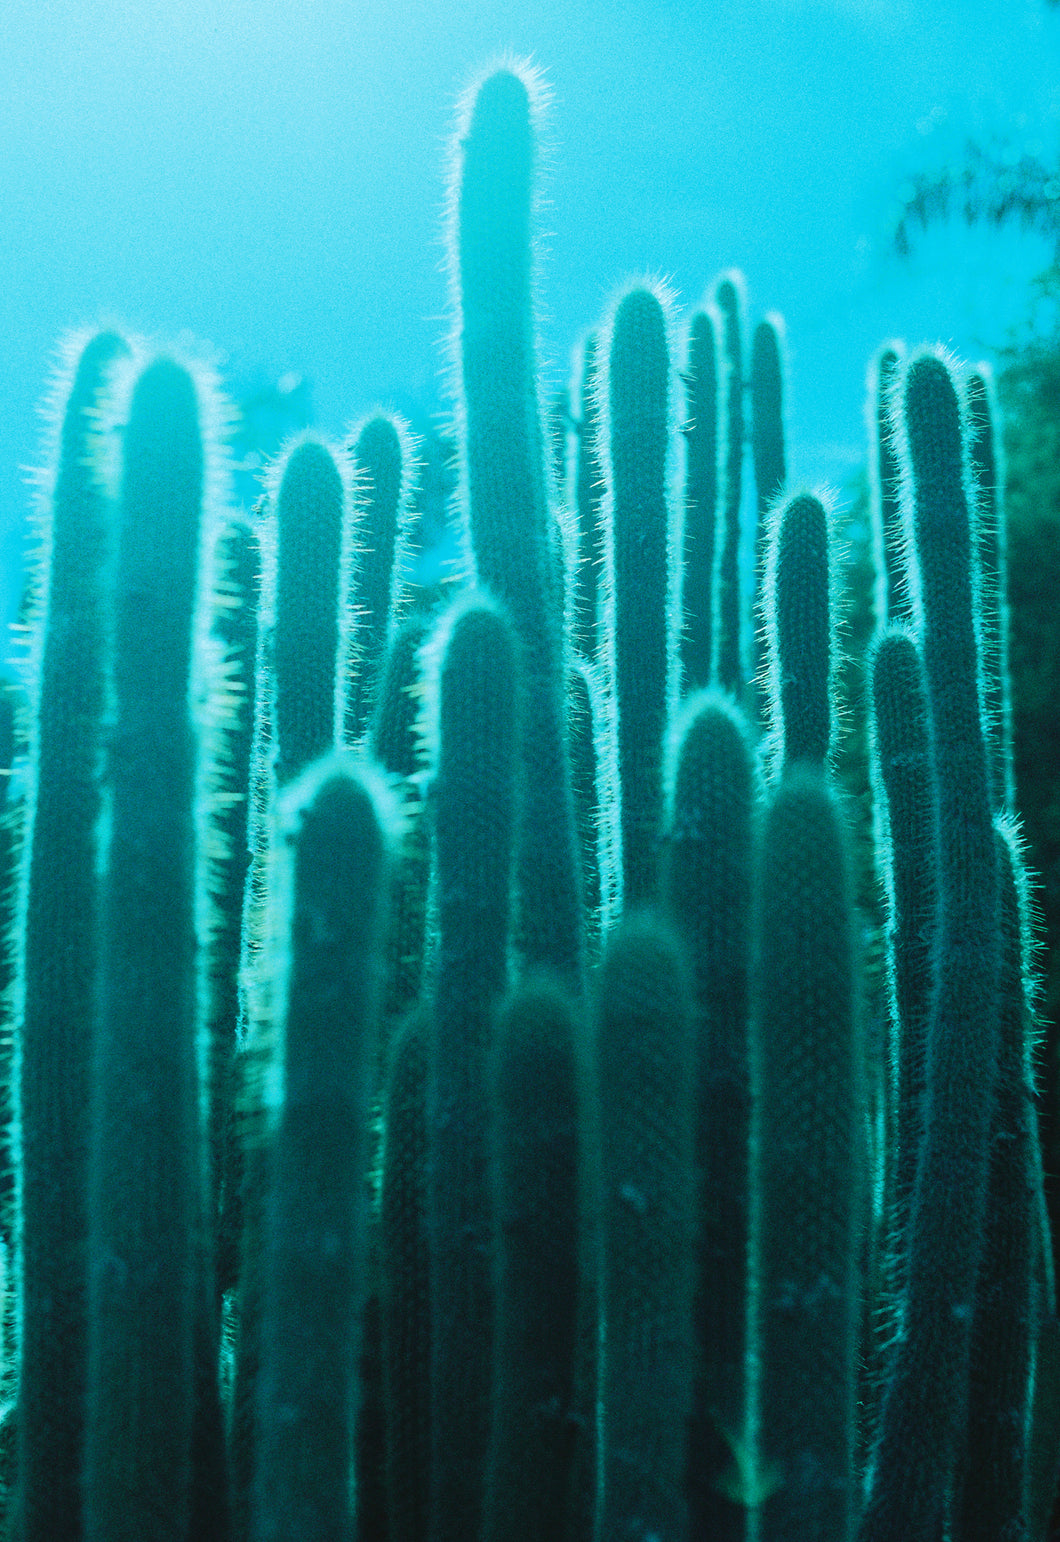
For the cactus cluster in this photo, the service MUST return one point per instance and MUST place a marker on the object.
(452, 1099)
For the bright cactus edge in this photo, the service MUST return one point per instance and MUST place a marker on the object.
(456, 1091)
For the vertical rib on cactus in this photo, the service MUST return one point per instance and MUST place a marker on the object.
(336, 826)
(985, 454)
(56, 942)
(994, 1502)
(642, 553)
(903, 775)
(644, 1120)
(924, 1414)
(712, 792)
(728, 650)
(474, 801)
(810, 1168)
(767, 439)
(885, 509)
(383, 463)
(535, 1128)
(492, 205)
(588, 489)
(799, 617)
(703, 371)
(147, 1240)
(405, 1288)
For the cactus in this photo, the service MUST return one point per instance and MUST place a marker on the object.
(382, 452)
(57, 933)
(405, 1318)
(730, 299)
(149, 1251)
(809, 1168)
(642, 555)
(713, 787)
(767, 438)
(892, 599)
(704, 371)
(799, 615)
(337, 827)
(642, 1123)
(588, 496)
(506, 485)
(923, 1419)
(474, 798)
(535, 1130)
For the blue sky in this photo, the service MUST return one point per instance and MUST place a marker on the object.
(270, 178)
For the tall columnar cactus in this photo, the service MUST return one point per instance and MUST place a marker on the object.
(996, 1489)
(810, 1168)
(474, 740)
(799, 607)
(535, 1129)
(383, 455)
(903, 777)
(713, 788)
(892, 599)
(642, 556)
(730, 298)
(492, 201)
(337, 826)
(149, 1251)
(925, 1408)
(56, 942)
(643, 1126)
(588, 497)
(405, 1301)
(767, 438)
(306, 585)
(704, 431)
(989, 481)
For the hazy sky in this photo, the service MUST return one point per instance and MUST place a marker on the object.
(269, 176)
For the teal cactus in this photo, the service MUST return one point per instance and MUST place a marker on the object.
(925, 1406)
(988, 472)
(642, 564)
(535, 1128)
(713, 792)
(810, 1172)
(906, 862)
(799, 613)
(336, 828)
(310, 499)
(768, 369)
(643, 1129)
(731, 301)
(703, 374)
(384, 470)
(405, 1318)
(477, 696)
(892, 600)
(511, 529)
(150, 1252)
(588, 497)
(58, 921)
